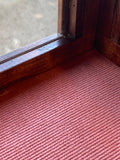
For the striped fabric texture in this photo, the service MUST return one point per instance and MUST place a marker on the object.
(71, 112)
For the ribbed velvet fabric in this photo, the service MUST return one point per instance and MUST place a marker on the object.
(71, 112)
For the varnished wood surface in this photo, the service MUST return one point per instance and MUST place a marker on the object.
(115, 33)
(91, 17)
(110, 49)
(83, 17)
(77, 16)
(106, 14)
(109, 19)
(108, 30)
(42, 59)
(63, 17)
(45, 54)
(29, 48)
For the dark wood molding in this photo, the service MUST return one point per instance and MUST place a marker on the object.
(43, 58)
(105, 18)
(83, 17)
(29, 48)
(91, 17)
(107, 47)
(108, 30)
(115, 33)
(77, 16)
(63, 17)
(77, 24)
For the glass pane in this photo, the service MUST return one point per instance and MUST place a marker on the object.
(25, 21)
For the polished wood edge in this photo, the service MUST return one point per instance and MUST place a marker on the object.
(43, 59)
(115, 33)
(109, 48)
(63, 17)
(77, 17)
(105, 18)
(29, 48)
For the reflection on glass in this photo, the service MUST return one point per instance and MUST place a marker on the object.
(25, 21)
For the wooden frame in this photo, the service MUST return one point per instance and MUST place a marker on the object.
(75, 37)
(29, 48)
(71, 17)
(108, 30)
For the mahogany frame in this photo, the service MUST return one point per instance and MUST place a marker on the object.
(108, 30)
(74, 37)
